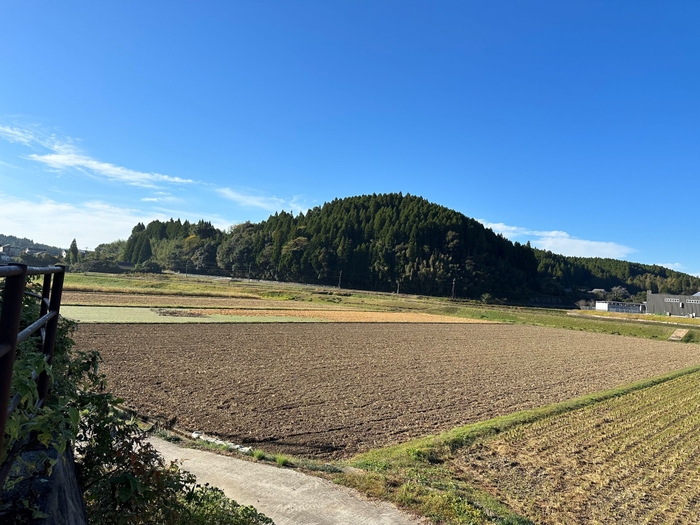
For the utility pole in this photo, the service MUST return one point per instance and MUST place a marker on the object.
(249, 264)
(233, 271)
(454, 280)
(340, 277)
(187, 263)
(397, 287)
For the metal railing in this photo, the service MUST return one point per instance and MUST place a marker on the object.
(15, 276)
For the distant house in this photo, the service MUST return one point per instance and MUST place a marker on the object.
(34, 251)
(618, 306)
(10, 251)
(598, 290)
(667, 304)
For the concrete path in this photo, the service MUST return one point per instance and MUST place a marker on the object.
(286, 496)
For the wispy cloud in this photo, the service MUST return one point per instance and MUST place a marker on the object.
(679, 267)
(162, 197)
(561, 242)
(110, 171)
(672, 266)
(63, 155)
(57, 223)
(295, 204)
(19, 135)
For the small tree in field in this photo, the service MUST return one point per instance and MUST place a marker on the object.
(73, 252)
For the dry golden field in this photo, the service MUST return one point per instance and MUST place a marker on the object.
(631, 459)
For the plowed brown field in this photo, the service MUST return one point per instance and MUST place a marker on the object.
(329, 390)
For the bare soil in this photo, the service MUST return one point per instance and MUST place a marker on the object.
(331, 390)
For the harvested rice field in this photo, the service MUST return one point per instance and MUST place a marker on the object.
(329, 390)
(630, 459)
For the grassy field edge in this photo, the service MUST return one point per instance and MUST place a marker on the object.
(414, 474)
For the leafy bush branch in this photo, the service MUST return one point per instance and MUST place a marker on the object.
(124, 478)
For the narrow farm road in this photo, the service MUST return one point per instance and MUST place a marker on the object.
(286, 496)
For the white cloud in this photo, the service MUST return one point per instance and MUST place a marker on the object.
(166, 199)
(672, 266)
(266, 203)
(679, 267)
(58, 223)
(17, 135)
(63, 155)
(561, 242)
(564, 244)
(105, 169)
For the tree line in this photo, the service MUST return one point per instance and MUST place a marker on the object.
(386, 242)
(623, 280)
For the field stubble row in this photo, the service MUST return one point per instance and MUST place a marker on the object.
(630, 459)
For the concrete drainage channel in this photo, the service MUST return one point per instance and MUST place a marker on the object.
(285, 495)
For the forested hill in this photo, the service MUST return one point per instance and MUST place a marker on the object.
(22, 242)
(375, 242)
(387, 242)
(594, 272)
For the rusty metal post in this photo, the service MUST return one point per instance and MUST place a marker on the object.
(9, 327)
(45, 295)
(51, 329)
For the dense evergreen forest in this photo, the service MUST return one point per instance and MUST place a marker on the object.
(386, 242)
(376, 242)
(592, 272)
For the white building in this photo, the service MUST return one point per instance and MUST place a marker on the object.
(617, 306)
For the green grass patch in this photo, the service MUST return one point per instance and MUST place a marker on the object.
(560, 319)
(153, 284)
(650, 318)
(693, 336)
(283, 461)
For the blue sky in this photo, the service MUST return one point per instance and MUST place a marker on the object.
(574, 125)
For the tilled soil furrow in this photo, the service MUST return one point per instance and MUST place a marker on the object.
(331, 390)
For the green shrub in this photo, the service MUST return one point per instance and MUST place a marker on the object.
(123, 477)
